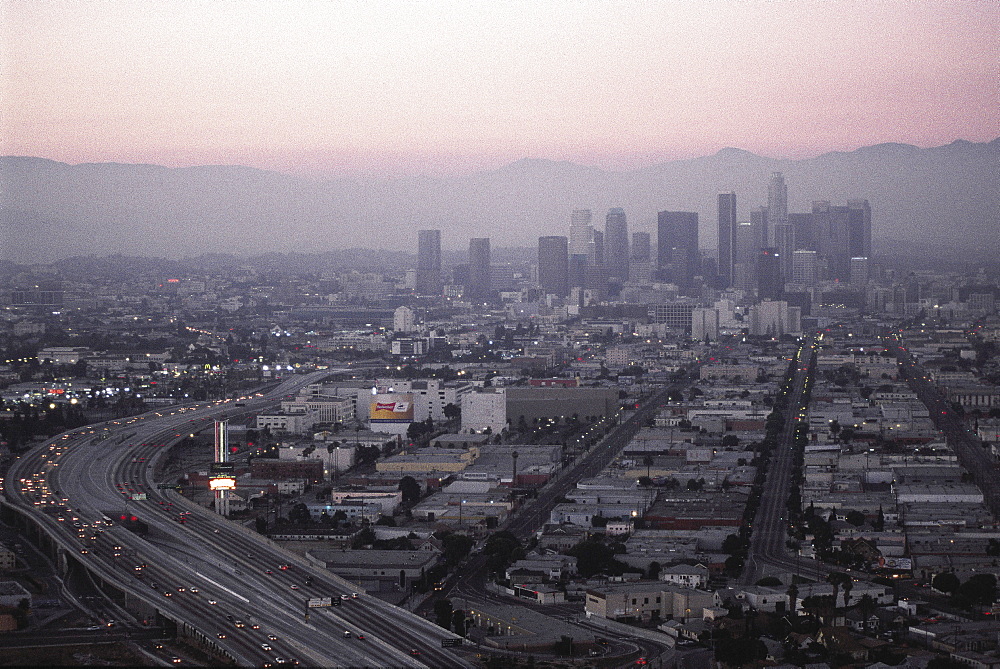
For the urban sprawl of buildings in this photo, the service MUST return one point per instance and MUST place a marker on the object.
(456, 395)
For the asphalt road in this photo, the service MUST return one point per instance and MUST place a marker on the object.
(205, 570)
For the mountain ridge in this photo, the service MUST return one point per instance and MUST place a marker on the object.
(50, 209)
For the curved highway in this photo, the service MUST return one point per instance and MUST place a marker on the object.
(234, 589)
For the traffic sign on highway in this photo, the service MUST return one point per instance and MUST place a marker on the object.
(451, 642)
(319, 602)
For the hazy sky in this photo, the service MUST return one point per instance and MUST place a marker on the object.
(446, 87)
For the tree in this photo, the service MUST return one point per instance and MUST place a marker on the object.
(443, 613)
(386, 521)
(855, 518)
(299, 514)
(365, 537)
(410, 489)
(452, 411)
(456, 547)
(946, 582)
(653, 571)
(458, 622)
(735, 652)
(769, 581)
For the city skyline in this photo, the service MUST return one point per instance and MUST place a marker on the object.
(335, 89)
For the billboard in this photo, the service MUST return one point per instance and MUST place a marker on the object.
(391, 408)
(222, 483)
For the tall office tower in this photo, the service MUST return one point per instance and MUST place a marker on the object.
(747, 247)
(677, 245)
(581, 246)
(553, 265)
(759, 220)
(833, 238)
(428, 279)
(805, 267)
(859, 229)
(641, 246)
(640, 269)
(616, 245)
(860, 271)
(581, 233)
(777, 205)
(596, 255)
(802, 227)
(769, 284)
(479, 287)
(727, 238)
(784, 241)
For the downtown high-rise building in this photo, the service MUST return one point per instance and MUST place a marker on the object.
(859, 229)
(616, 250)
(640, 266)
(581, 247)
(479, 287)
(832, 228)
(428, 274)
(769, 282)
(727, 238)
(553, 265)
(777, 206)
(748, 245)
(677, 246)
(805, 267)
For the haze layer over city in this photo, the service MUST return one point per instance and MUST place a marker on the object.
(500, 335)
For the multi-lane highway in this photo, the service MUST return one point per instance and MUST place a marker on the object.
(241, 594)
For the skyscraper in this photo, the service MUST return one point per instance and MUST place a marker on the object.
(758, 219)
(677, 245)
(727, 238)
(616, 245)
(859, 229)
(747, 248)
(784, 241)
(803, 229)
(581, 233)
(428, 279)
(832, 225)
(639, 266)
(777, 205)
(641, 246)
(581, 246)
(804, 267)
(479, 287)
(553, 265)
(769, 284)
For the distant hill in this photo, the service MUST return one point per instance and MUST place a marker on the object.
(946, 197)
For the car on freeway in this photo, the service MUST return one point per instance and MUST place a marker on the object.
(212, 601)
(272, 637)
(266, 646)
(221, 635)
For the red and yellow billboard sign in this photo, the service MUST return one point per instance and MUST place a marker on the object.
(391, 408)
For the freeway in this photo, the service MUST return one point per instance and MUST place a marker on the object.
(228, 586)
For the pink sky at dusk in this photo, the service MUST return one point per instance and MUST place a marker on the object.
(449, 87)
